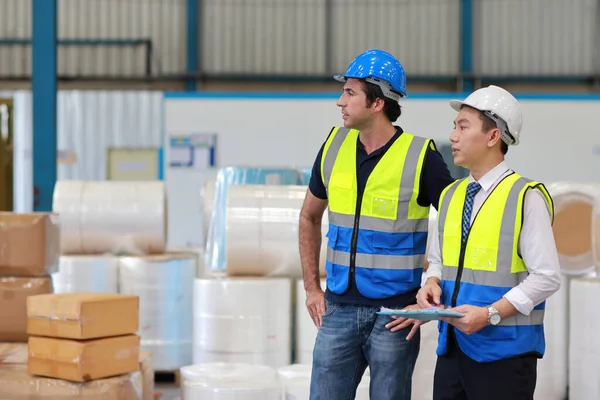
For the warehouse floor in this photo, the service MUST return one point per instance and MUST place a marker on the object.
(167, 391)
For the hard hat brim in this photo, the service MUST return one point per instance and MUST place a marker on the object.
(456, 104)
(339, 78)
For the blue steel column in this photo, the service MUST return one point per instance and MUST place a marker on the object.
(192, 42)
(466, 40)
(44, 102)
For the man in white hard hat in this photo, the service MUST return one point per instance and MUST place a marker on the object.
(492, 258)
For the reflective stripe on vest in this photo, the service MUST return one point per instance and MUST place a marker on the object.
(392, 227)
(491, 266)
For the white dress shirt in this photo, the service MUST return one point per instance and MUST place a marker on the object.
(536, 244)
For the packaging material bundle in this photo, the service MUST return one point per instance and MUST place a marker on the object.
(16, 383)
(165, 287)
(30, 251)
(574, 233)
(261, 230)
(261, 305)
(295, 382)
(216, 256)
(552, 369)
(82, 336)
(306, 331)
(584, 340)
(111, 217)
(98, 274)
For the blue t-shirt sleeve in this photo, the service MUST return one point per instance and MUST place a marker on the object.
(435, 176)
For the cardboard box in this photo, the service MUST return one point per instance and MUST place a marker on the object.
(29, 243)
(13, 305)
(83, 360)
(16, 353)
(82, 315)
(17, 384)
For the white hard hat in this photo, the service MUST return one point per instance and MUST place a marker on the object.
(499, 105)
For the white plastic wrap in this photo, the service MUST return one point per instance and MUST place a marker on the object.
(216, 258)
(234, 371)
(306, 331)
(422, 381)
(231, 389)
(208, 198)
(584, 339)
(295, 380)
(87, 274)
(165, 286)
(262, 231)
(552, 370)
(116, 217)
(246, 320)
(573, 229)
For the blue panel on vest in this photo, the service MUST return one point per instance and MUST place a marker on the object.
(215, 253)
(392, 244)
(337, 277)
(376, 283)
(498, 342)
(541, 306)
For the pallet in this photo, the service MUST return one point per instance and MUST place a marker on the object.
(168, 377)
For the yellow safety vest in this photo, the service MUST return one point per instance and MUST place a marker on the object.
(487, 266)
(379, 235)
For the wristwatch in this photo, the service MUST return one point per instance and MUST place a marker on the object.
(494, 316)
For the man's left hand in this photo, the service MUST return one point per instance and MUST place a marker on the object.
(475, 318)
(399, 323)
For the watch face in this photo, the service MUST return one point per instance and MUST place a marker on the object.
(495, 319)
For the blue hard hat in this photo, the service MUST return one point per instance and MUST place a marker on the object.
(381, 68)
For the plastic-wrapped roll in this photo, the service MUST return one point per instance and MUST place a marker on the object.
(422, 381)
(233, 371)
(165, 286)
(116, 217)
(216, 258)
(584, 340)
(87, 274)
(225, 389)
(573, 232)
(208, 197)
(262, 231)
(262, 306)
(295, 380)
(306, 174)
(552, 377)
(306, 331)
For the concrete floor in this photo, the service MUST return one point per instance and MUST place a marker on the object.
(168, 391)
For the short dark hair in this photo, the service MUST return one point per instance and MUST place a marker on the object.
(488, 124)
(391, 108)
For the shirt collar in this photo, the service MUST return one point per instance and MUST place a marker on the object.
(488, 180)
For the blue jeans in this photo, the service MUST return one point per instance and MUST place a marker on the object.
(352, 338)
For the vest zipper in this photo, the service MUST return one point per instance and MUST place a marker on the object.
(461, 262)
(354, 241)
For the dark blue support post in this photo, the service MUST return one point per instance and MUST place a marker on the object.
(192, 42)
(44, 102)
(466, 41)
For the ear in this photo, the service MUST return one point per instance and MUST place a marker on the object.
(494, 137)
(378, 105)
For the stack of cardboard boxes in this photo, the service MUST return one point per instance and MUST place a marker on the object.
(29, 251)
(81, 345)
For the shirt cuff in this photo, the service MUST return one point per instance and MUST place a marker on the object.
(519, 300)
(433, 272)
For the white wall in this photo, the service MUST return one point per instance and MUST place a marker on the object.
(559, 142)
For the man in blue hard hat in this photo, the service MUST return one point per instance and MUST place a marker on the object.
(378, 183)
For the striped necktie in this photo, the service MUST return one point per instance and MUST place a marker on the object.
(472, 190)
